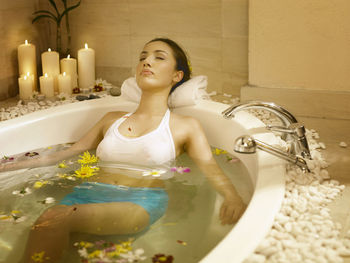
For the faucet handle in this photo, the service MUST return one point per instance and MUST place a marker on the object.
(279, 129)
(298, 131)
(294, 128)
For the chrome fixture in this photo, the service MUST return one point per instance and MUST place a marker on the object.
(286, 117)
(291, 129)
(247, 144)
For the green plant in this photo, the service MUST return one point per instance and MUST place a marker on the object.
(57, 18)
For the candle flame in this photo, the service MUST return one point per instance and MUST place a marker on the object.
(49, 49)
(25, 77)
(26, 42)
(45, 75)
(64, 73)
(68, 56)
(28, 74)
(86, 46)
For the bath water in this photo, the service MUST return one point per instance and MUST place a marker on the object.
(187, 231)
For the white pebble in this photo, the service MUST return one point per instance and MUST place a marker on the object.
(343, 144)
(322, 145)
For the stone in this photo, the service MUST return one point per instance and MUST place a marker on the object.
(93, 96)
(115, 91)
(81, 97)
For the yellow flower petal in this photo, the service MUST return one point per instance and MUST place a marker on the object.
(38, 257)
(39, 184)
(86, 171)
(87, 158)
(62, 165)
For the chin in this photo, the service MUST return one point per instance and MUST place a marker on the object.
(146, 83)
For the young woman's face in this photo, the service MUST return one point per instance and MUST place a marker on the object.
(156, 69)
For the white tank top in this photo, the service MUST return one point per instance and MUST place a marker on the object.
(154, 148)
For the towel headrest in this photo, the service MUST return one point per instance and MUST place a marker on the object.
(187, 94)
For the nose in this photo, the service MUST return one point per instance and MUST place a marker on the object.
(147, 61)
(146, 64)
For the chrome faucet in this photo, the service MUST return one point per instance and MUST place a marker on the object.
(291, 129)
(247, 144)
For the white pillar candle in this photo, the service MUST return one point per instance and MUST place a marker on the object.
(27, 60)
(69, 65)
(31, 77)
(47, 86)
(86, 67)
(51, 65)
(64, 83)
(25, 88)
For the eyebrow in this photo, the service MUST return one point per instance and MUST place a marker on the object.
(156, 51)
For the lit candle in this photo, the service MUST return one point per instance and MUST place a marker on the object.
(31, 77)
(25, 87)
(69, 65)
(47, 86)
(51, 65)
(27, 60)
(64, 83)
(86, 67)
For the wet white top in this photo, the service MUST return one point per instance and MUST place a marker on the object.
(154, 148)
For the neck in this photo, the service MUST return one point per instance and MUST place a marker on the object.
(152, 103)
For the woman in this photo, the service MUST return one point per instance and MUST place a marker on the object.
(150, 135)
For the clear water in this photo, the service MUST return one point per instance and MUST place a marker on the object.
(189, 217)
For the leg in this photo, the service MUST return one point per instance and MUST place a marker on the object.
(51, 231)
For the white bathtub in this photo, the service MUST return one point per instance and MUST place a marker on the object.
(69, 122)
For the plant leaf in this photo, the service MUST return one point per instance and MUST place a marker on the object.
(69, 9)
(43, 16)
(52, 2)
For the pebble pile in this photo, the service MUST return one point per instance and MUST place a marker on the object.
(303, 230)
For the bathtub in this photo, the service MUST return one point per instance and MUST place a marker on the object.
(43, 128)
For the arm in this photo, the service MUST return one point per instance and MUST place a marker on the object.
(89, 141)
(199, 150)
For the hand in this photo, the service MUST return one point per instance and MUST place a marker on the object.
(231, 210)
(5, 167)
(10, 166)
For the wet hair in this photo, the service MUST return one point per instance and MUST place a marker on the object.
(182, 62)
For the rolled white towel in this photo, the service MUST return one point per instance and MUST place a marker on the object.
(187, 94)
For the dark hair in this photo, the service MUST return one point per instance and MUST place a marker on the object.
(182, 62)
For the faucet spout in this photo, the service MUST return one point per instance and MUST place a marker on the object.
(286, 117)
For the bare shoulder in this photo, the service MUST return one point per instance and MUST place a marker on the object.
(110, 117)
(184, 126)
(184, 121)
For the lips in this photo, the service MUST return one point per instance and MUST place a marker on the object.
(146, 72)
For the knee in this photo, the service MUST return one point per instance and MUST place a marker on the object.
(54, 216)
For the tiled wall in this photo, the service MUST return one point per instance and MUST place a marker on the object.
(213, 32)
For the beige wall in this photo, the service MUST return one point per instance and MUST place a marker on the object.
(300, 44)
(15, 28)
(214, 33)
